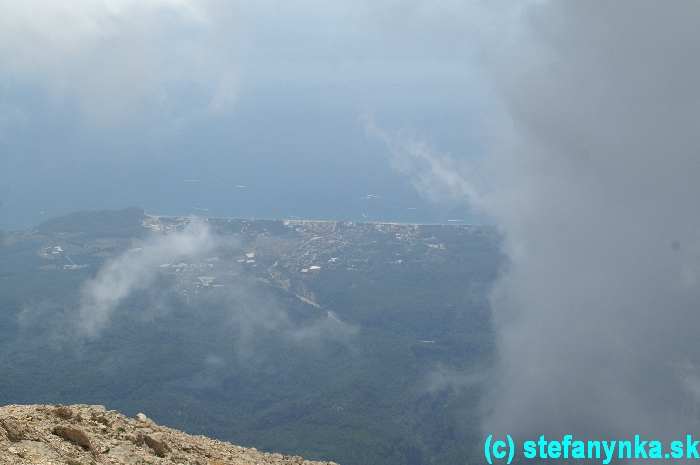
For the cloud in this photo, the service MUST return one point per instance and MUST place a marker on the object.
(326, 328)
(138, 269)
(117, 59)
(594, 183)
(438, 177)
(243, 309)
(591, 174)
(443, 378)
(254, 320)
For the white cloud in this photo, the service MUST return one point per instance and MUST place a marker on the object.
(438, 177)
(137, 270)
(246, 308)
(443, 378)
(591, 174)
(114, 58)
(594, 183)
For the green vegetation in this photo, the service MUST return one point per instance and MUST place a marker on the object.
(394, 393)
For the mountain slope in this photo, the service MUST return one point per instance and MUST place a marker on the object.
(90, 434)
(362, 343)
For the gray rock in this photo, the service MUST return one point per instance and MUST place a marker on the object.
(74, 435)
(13, 429)
(157, 443)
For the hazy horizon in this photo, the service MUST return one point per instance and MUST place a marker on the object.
(145, 98)
(570, 128)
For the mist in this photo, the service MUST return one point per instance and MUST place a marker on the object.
(240, 310)
(119, 60)
(259, 94)
(592, 177)
(590, 172)
(137, 269)
(571, 126)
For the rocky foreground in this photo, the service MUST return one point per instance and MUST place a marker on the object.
(91, 434)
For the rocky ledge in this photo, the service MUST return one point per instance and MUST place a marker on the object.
(91, 434)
